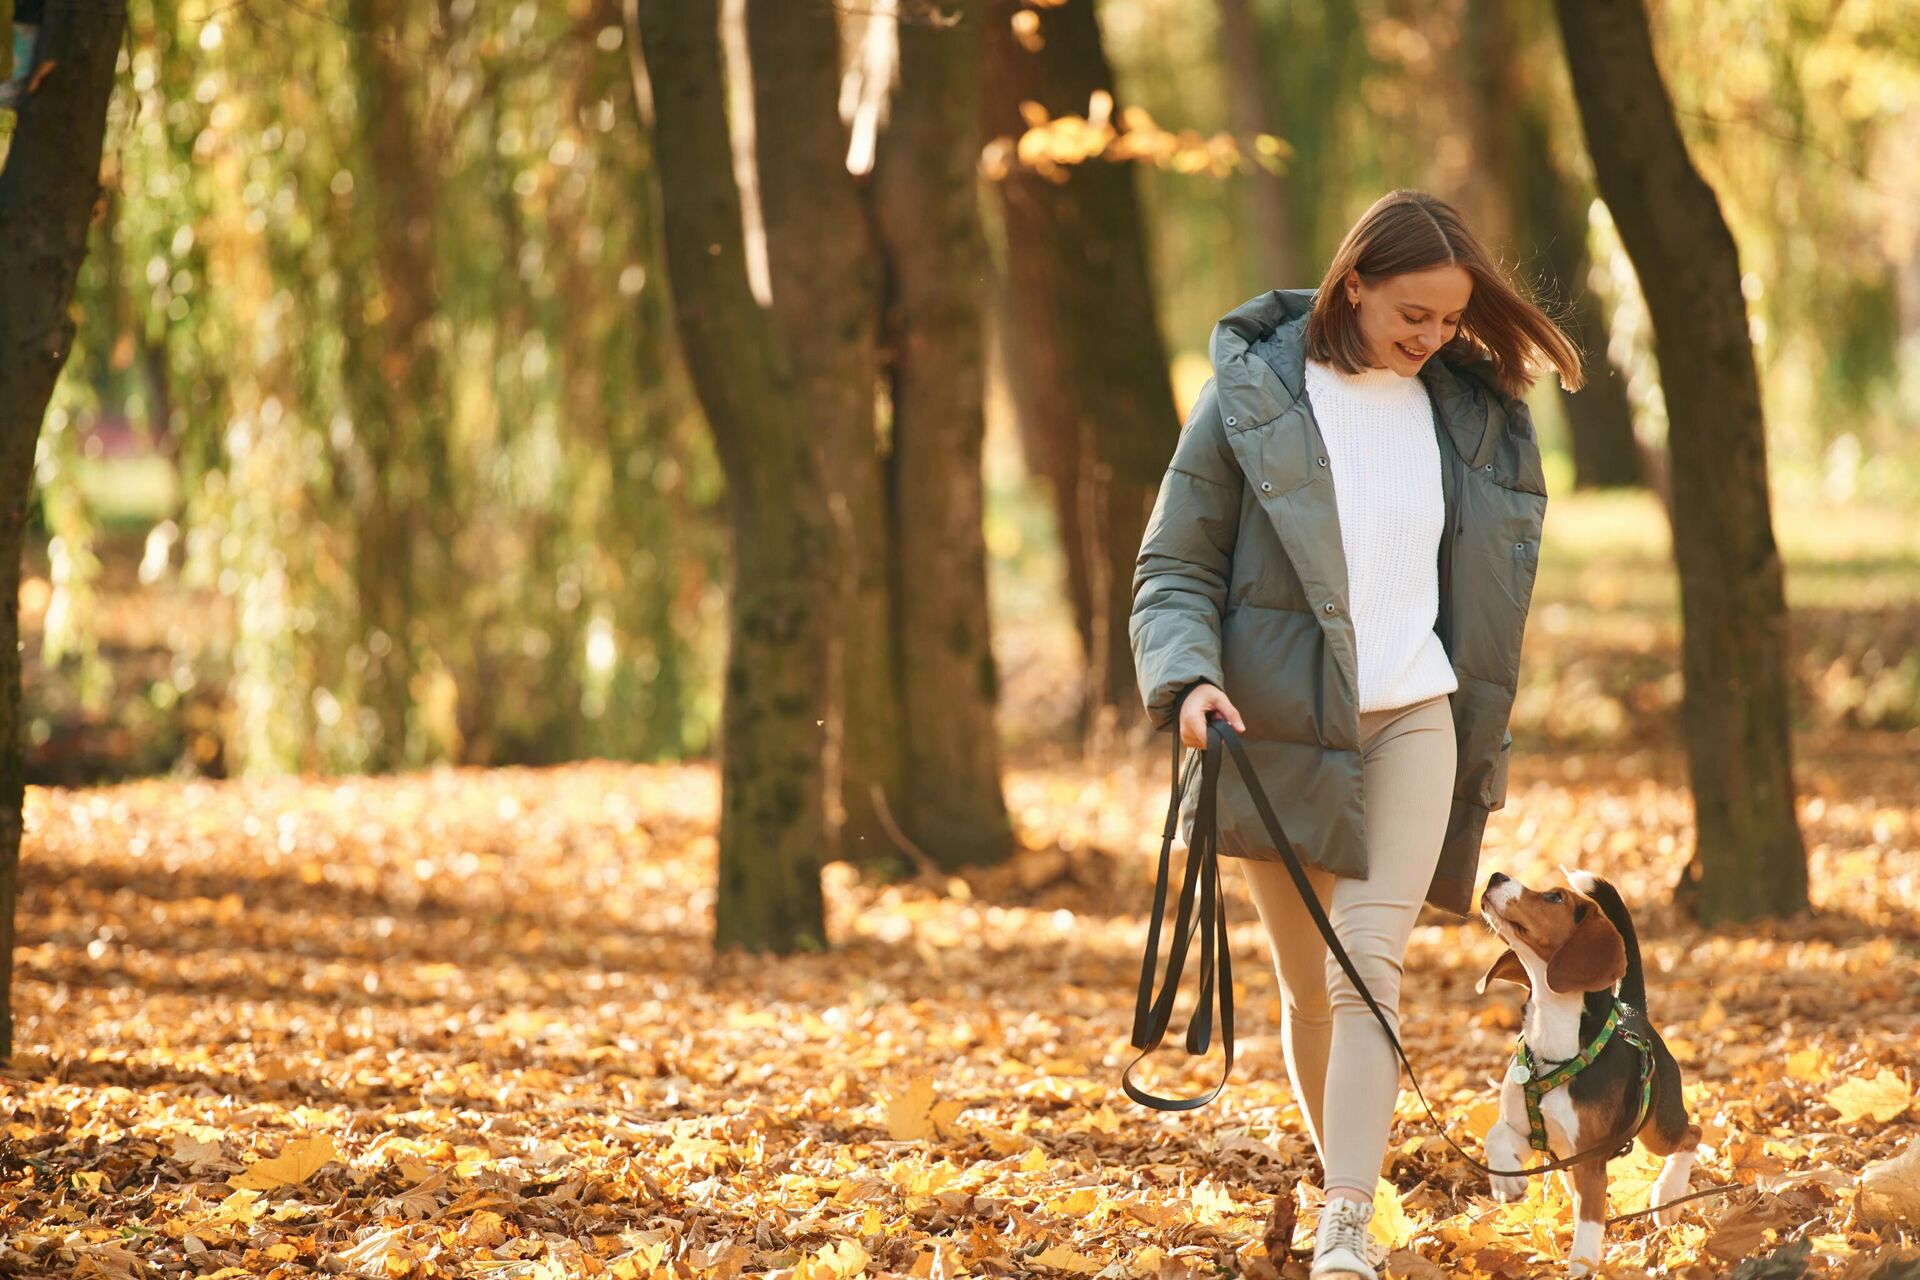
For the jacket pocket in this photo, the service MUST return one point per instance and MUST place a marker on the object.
(1274, 663)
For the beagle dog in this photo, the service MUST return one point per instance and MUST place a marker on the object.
(1588, 1056)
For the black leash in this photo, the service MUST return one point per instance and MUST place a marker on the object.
(1151, 1015)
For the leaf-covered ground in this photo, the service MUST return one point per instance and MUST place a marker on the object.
(469, 1023)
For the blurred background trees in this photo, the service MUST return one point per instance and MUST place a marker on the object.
(380, 447)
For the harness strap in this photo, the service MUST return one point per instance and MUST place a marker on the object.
(1536, 1086)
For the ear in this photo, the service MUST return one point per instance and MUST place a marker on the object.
(1593, 957)
(1506, 969)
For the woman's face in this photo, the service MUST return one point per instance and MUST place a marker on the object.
(1404, 319)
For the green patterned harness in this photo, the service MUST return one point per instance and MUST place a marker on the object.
(1537, 1086)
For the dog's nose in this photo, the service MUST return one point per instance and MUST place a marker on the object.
(1496, 878)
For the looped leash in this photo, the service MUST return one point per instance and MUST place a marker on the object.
(1201, 887)
(1151, 1015)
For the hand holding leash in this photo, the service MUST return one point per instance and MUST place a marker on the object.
(1204, 702)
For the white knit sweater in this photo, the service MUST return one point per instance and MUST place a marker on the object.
(1385, 460)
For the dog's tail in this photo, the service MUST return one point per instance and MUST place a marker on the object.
(1633, 985)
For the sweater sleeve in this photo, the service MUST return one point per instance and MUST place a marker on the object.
(1185, 564)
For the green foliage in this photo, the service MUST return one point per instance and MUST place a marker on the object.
(561, 563)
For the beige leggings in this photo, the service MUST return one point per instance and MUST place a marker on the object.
(1344, 1071)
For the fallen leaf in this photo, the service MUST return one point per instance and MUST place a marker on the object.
(1890, 1189)
(1066, 1259)
(300, 1161)
(1390, 1224)
(1410, 1265)
(1741, 1230)
(914, 1114)
(1879, 1099)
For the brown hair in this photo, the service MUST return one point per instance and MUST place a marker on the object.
(1411, 231)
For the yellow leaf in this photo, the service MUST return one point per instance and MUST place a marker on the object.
(836, 1261)
(1478, 1117)
(1880, 1099)
(1390, 1224)
(921, 1179)
(1712, 1016)
(1067, 1260)
(913, 1113)
(1077, 1203)
(1147, 1261)
(1034, 1161)
(300, 1161)
(1808, 1066)
(1211, 1202)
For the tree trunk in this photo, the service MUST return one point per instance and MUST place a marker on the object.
(1550, 208)
(396, 372)
(1492, 89)
(1266, 221)
(1749, 860)
(48, 187)
(1087, 365)
(772, 824)
(824, 262)
(927, 199)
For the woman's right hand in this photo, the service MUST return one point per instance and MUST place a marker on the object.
(1203, 699)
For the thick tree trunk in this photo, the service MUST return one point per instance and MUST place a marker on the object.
(1750, 860)
(824, 261)
(1266, 222)
(395, 373)
(1085, 357)
(772, 824)
(927, 198)
(48, 187)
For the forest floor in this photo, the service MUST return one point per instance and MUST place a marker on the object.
(469, 1022)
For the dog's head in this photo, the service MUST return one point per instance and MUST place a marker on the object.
(1560, 937)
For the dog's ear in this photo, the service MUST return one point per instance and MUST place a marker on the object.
(1506, 969)
(1593, 957)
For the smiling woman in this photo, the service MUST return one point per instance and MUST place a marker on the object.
(1347, 539)
(1411, 280)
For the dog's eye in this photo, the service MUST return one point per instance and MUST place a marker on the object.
(1553, 896)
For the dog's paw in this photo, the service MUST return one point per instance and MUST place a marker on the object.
(1508, 1190)
(1579, 1267)
(1666, 1217)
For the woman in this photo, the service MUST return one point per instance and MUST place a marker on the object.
(1339, 565)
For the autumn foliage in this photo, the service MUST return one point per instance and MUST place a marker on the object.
(469, 1023)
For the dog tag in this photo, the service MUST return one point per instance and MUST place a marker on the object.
(1517, 1074)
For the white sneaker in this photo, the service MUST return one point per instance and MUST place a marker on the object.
(1340, 1248)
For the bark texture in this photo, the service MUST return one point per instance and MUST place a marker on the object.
(927, 199)
(1750, 860)
(772, 826)
(48, 190)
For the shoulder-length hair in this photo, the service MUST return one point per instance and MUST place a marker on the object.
(1411, 231)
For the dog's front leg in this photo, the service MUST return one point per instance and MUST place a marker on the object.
(1506, 1147)
(1589, 1179)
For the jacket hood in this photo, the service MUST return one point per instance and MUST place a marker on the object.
(1258, 351)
